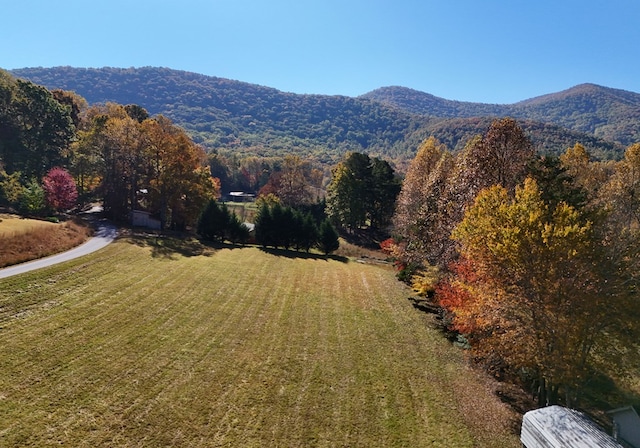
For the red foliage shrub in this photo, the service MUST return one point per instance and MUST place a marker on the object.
(60, 189)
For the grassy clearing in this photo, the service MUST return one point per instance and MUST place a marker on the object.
(14, 225)
(246, 211)
(156, 343)
(28, 239)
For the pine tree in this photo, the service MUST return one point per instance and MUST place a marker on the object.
(327, 238)
(264, 226)
(213, 222)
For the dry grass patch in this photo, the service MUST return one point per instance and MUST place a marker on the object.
(133, 346)
(350, 250)
(29, 239)
(14, 225)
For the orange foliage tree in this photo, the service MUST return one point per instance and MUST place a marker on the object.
(535, 287)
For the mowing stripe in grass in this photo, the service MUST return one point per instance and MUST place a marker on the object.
(143, 346)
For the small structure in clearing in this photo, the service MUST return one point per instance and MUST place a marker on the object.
(140, 218)
(240, 196)
(626, 425)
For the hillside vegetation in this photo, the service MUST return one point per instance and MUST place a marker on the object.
(609, 114)
(158, 342)
(223, 114)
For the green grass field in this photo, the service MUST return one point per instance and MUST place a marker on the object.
(154, 342)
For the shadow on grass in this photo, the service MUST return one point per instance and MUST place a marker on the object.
(294, 254)
(164, 246)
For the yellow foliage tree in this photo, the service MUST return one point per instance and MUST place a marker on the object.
(544, 292)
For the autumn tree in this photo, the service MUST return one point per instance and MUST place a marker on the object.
(498, 157)
(86, 162)
(621, 193)
(589, 175)
(418, 218)
(60, 189)
(255, 172)
(122, 155)
(542, 290)
(149, 164)
(179, 182)
(292, 180)
(294, 183)
(10, 187)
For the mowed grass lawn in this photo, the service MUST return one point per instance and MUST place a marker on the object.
(153, 343)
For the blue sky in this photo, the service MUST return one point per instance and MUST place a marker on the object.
(493, 51)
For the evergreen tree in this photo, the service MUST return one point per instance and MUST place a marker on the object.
(236, 231)
(213, 222)
(362, 192)
(327, 238)
(308, 232)
(32, 199)
(277, 219)
(264, 226)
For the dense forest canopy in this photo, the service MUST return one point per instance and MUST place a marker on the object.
(225, 115)
(609, 114)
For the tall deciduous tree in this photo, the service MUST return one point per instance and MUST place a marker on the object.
(294, 186)
(498, 157)
(621, 193)
(542, 290)
(587, 175)
(150, 164)
(419, 216)
(180, 183)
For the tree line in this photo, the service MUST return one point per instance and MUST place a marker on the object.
(50, 141)
(532, 258)
(56, 152)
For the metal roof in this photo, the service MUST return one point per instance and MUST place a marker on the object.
(557, 426)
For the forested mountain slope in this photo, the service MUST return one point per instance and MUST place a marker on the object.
(610, 114)
(228, 115)
(221, 113)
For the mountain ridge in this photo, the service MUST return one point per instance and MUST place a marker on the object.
(224, 114)
(605, 112)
